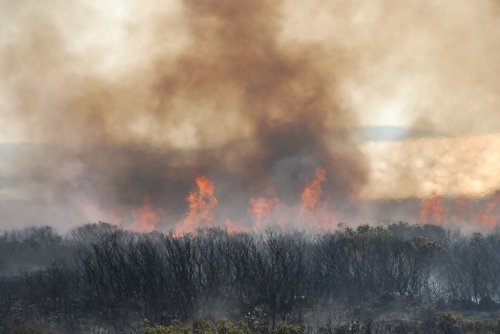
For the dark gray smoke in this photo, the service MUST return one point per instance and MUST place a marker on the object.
(256, 115)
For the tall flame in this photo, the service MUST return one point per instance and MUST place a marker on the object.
(270, 211)
(311, 195)
(432, 210)
(310, 205)
(201, 205)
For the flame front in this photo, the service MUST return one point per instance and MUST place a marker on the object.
(313, 211)
(201, 206)
(462, 212)
(311, 208)
(432, 210)
(311, 194)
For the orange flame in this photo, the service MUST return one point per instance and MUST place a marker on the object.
(490, 217)
(201, 205)
(311, 194)
(269, 210)
(147, 219)
(432, 210)
(310, 207)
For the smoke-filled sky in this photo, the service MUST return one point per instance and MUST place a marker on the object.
(118, 100)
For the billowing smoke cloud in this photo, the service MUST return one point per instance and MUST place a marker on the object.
(235, 103)
(128, 99)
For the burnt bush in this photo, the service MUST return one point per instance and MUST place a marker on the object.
(99, 276)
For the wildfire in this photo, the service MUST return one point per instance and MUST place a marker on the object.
(310, 208)
(311, 194)
(268, 211)
(201, 205)
(147, 218)
(486, 215)
(432, 210)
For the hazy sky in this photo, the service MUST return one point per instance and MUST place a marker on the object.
(429, 63)
(139, 76)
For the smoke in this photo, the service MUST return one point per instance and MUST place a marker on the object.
(428, 65)
(234, 103)
(127, 100)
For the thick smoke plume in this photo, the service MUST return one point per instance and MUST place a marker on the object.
(125, 103)
(235, 103)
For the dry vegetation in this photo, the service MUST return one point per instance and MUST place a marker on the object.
(395, 279)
